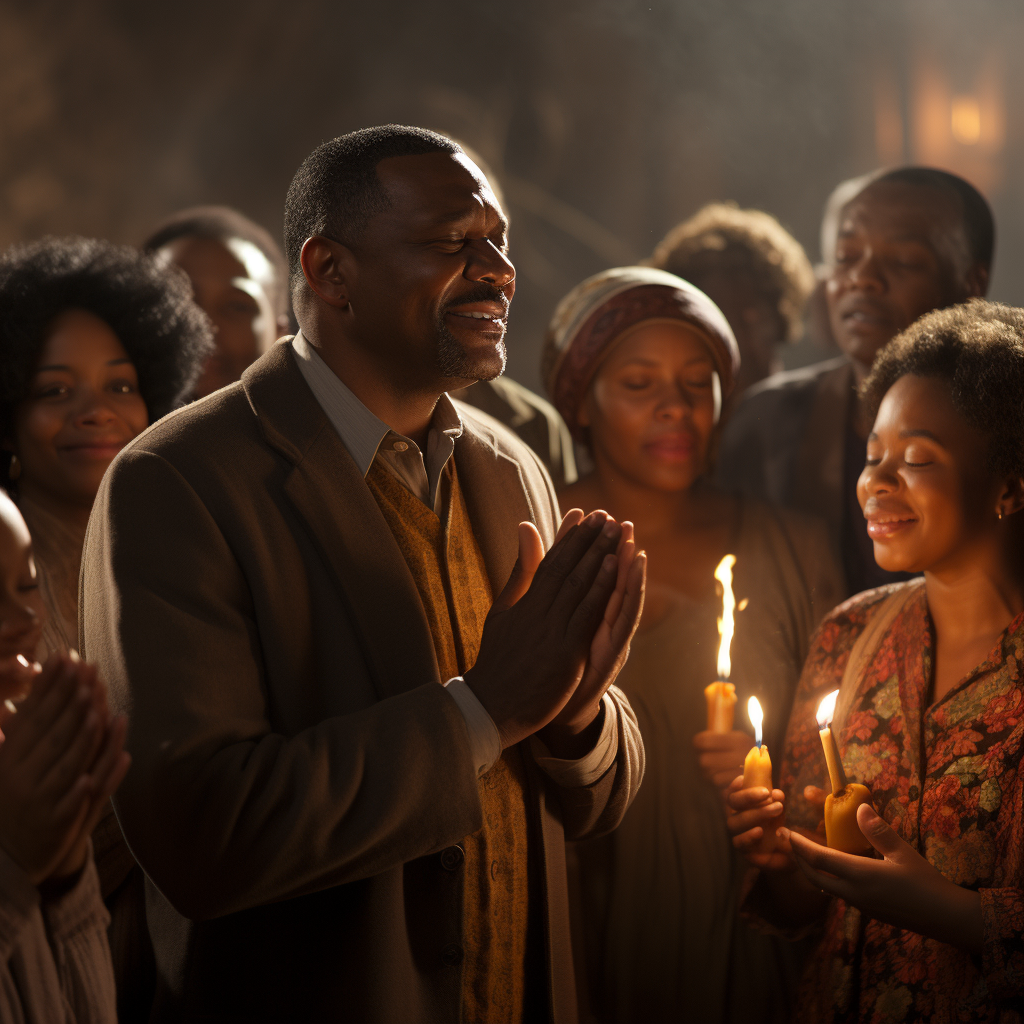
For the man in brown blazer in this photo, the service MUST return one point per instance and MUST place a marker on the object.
(277, 581)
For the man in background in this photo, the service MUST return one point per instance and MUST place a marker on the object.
(239, 278)
(753, 269)
(908, 241)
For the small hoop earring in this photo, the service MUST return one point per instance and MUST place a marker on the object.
(999, 513)
(14, 469)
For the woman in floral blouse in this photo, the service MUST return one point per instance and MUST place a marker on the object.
(932, 926)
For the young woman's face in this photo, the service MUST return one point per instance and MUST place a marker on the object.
(83, 407)
(651, 407)
(927, 492)
(21, 605)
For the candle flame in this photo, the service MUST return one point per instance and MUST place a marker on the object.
(826, 709)
(727, 623)
(756, 716)
(23, 661)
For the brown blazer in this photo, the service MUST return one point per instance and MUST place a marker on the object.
(297, 769)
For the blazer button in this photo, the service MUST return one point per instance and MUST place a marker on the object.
(451, 955)
(452, 858)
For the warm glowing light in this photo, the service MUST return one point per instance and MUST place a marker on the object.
(965, 120)
(756, 716)
(727, 623)
(826, 709)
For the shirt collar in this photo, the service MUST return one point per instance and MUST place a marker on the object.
(359, 429)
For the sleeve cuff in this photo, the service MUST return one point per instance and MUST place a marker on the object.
(484, 740)
(589, 768)
(80, 907)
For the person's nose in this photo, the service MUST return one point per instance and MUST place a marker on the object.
(879, 479)
(675, 403)
(491, 266)
(866, 272)
(94, 409)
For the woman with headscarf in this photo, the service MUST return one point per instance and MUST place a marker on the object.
(639, 362)
(96, 342)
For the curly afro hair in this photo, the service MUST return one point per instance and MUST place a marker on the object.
(978, 347)
(722, 236)
(145, 302)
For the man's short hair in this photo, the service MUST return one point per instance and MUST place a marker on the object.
(979, 224)
(722, 236)
(336, 190)
(977, 348)
(221, 224)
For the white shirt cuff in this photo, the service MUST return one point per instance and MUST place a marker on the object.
(484, 740)
(589, 768)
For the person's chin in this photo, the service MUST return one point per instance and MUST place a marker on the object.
(862, 344)
(896, 557)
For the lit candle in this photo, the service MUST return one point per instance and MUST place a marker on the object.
(721, 694)
(757, 770)
(841, 829)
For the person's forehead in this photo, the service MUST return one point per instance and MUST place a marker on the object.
(902, 209)
(436, 186)
(207, 258)
(675, 341)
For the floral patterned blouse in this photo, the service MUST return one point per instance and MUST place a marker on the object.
(947, 778)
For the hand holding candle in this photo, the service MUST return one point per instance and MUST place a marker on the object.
(841, 829)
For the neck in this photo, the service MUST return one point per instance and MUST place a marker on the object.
(979, 597)
(74, 516)
(405, 404)
(655, 513)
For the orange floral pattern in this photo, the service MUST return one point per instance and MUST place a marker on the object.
(947, 778)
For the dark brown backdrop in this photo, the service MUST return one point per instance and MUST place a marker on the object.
(607, 121)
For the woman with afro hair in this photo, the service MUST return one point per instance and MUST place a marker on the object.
(97, 341)
(930, 926)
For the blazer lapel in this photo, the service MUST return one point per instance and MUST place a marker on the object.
(342, 519)
(496, 498)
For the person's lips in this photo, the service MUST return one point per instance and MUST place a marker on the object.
(672, 447)
(92, 450)
(884, 525)
(485, 314)
(865, 315)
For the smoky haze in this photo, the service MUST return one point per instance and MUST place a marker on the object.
(606, 123)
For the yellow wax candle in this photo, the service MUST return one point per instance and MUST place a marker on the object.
(721, 698)
(757, 771)
(841, 829)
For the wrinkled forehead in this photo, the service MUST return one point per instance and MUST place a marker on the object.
(899, 210)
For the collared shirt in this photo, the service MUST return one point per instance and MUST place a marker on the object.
(367, 437)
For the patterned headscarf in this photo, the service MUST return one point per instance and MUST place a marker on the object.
(599, 311)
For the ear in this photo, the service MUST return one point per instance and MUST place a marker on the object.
(328, 267)
(1011, 499)
(977, 281)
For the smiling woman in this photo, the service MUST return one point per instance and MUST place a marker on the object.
(931, 720)
(96, 342)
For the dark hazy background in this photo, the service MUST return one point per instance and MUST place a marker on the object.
(606, 121)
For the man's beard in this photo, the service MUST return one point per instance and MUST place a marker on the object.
(453, 361)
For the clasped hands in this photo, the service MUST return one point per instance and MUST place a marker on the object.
(61, 758)
(899, 886)
(559, 632)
